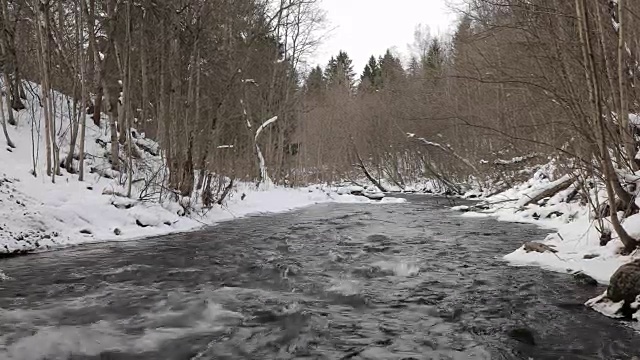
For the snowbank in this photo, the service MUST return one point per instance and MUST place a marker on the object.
(36, 214)
(573, 232)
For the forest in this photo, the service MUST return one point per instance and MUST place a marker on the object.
(226, 89)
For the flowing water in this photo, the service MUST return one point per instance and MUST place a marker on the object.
(380, 281)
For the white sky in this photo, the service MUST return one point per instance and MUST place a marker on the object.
(369, 27)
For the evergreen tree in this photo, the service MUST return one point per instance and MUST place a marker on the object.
(391, 70)
(435, 56)
(315, 84)
(415, 69)
(462, 34)
(371, 77)
(339, 72)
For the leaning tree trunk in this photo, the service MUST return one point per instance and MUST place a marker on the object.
(366, 172)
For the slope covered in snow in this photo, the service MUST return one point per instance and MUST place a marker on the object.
(36, 214)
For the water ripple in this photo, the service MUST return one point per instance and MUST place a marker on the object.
(390, 281)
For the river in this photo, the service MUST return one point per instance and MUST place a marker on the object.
(332, 281)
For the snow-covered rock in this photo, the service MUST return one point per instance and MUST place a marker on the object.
(350, 190)
(622, 295)
(373, 194)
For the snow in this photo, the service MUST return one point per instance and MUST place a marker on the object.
(374, 194)
(266, 181)
(634, 119)
(37, 215)
(264, 125)
(514, 160)
(350, 189)
(538, 188)
(163, 322)
(573, 232)
(604, 306)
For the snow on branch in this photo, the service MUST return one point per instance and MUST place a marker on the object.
(250, 81)
(446, 149)
(515, 160)
(245, 114)
(264, 125)
(548, 190)
(263, 166)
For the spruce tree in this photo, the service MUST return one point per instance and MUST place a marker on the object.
(435, 56)
(339, 72)
(462, 34)
(391, 70)
(315, 84)
(414, 69)
(371, 76)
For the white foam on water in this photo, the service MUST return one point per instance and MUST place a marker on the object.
(167, 321)
(123, 269)
(399, 268)
(345, 287)
(58, 343)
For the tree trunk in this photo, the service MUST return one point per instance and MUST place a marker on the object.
(82, 119)
(115, 146)
(7, 48)
(625, 129)
(4, 125)
(12, 120)
(127, 99)
(549, 192)
(597, 112)
(144, 76)
(74, 121)
(97, 75)
(46, 93)
(366, 172)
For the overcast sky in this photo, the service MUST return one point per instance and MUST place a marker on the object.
(366, 27)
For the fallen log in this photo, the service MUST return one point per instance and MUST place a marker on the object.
(366, 172)
(555, 187)
(538, 247)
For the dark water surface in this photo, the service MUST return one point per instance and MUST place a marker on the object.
(383, 281)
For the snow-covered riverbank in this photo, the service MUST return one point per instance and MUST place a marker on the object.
(46, 216)
(36, 214)
(573, 231)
